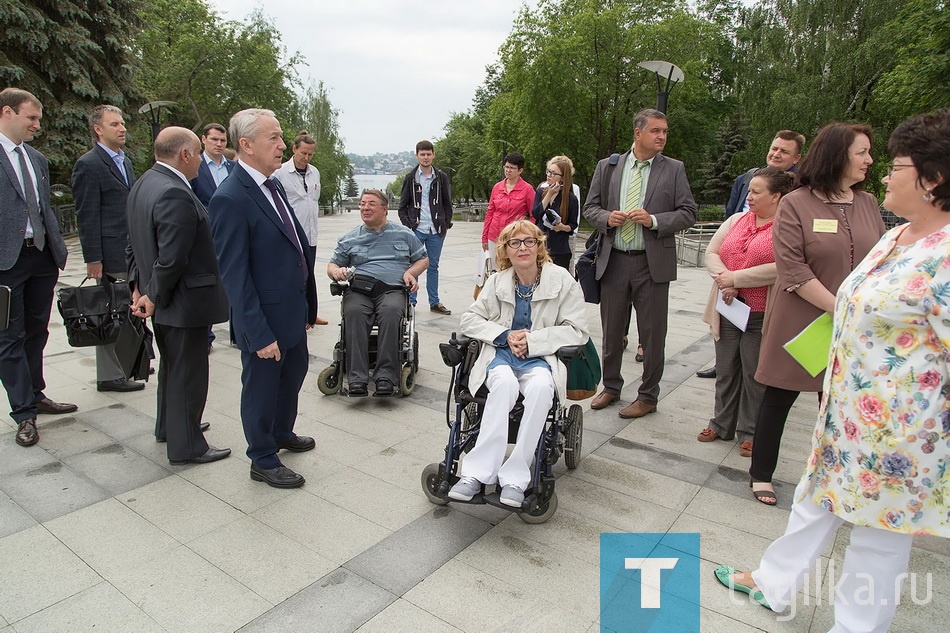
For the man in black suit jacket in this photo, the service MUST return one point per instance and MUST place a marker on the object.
(32, 253)
(214, 167)
(268, 274)
(174, 278)
(101, 180)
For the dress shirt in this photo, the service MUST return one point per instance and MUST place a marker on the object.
(8, 147)
(119, 159)
(218, 172)
(175, 171)
(259, 179)
(425, 211)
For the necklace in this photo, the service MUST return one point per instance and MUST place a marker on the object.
(527, 295)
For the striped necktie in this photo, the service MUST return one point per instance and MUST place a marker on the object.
(628, 230)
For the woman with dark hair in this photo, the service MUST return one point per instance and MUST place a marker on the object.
(881, 447)
(822, 231)
(741, 260)
(556, 209)
(524, 314)
(510, 200)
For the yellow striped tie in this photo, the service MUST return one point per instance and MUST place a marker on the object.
(628, 231)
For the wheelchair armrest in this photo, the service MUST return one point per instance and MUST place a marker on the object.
(337, 288)
(568, 352)
(459, 340)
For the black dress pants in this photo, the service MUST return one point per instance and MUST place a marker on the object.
(182, 389)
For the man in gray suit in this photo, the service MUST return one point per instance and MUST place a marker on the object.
(638, 201)
(173, 273)
(32, 253)
(102, 178)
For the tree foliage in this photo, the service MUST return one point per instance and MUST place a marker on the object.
(316, 114)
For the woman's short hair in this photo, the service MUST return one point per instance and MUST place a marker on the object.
(516, 159)
(827, 160)
(925, 139)
(516, 227)
(776, 180)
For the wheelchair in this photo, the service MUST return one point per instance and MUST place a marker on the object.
(330, 380)
(562, 434)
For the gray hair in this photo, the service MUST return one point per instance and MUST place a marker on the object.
(95, 117)
(171, 140)
(244, 124)
(640, 120)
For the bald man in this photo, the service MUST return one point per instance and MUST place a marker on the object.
(173, 273)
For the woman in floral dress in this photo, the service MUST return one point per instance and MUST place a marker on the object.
(881, 447)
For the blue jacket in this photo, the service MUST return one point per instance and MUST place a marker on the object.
(203, 184)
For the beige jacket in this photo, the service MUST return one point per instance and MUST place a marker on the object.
(761, 275)
(557, 320)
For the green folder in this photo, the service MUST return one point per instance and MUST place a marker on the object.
(810, 348)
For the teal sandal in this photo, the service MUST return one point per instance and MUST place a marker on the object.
(724, 576)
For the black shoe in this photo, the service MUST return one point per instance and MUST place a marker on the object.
(55, 408)
(204, 426)
(280, 477)
(358, 390)
(384, 388)
(151, 371)
(707, 373)
(212, 455)
(26, 433)
(300, 444)
(121, 385)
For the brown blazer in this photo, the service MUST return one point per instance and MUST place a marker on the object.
(667, 198)
(802, 254)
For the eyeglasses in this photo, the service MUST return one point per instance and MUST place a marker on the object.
(553, 173)
(894, 167)
(528, 242)
(371, 204)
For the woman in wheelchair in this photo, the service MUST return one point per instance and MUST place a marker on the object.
(525, 312)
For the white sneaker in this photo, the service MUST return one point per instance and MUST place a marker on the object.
(465, 489)
(511, 496)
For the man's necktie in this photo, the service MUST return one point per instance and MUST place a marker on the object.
(288, 223)
(32, 206)
(628, 230)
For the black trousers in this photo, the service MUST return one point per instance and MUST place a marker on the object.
(31, 280)
(182, 389)
(769, 426)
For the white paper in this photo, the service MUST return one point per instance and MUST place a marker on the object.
(547, 223)
(737, 312)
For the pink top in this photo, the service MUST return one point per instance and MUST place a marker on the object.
(505, 207)
(748, 245)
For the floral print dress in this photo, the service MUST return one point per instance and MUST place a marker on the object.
(881, 447)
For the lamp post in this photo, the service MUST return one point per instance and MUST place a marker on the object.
(663, 71)
(153, 109)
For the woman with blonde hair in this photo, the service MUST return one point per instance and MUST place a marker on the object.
(527, 311)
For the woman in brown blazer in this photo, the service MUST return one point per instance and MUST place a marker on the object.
(822, 231)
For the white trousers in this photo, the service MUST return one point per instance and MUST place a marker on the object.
(484, 462)
(869, 581)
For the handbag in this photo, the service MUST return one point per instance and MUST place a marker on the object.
(585, 271)
(93, 315)
(583, 373)
(133, 348)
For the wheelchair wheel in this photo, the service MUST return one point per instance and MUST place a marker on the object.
(328, 382)
(407, 380)
(541, 514)
(574, 436)
(430, 484)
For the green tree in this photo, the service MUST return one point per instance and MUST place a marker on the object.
(352, 189)
(717, 175)
(72, 56)
(316, 114)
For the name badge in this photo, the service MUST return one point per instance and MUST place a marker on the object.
(825, 226)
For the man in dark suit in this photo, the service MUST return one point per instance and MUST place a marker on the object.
(32, 253)
(267, 272)
(214, 167)
(101, 180)
(784, 154)
(174, 278)
(638, 202)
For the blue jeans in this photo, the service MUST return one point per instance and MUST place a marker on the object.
(433, 243)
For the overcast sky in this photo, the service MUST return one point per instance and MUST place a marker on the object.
(395, 69)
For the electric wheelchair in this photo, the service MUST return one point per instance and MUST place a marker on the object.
(331, 379)
(562, 434)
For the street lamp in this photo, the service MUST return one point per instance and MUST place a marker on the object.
(663, 70)
(153, 109)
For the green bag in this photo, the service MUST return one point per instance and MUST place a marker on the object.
(583, 373)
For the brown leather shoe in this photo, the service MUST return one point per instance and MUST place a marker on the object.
(26, 433)
(320, 321)
(745, 449)
(603, 399)
(707, 435)
(637, 409)
(48, 406)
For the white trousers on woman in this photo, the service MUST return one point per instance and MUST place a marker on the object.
(484, 462)
(870, 579)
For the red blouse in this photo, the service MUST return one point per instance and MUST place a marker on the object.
(747, 245)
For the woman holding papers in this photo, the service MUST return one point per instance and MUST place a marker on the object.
(556, 209)
(881, 447)
(822, 231)
(741, 261)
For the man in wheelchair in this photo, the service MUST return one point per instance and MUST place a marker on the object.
(525, 312)
(379, 259)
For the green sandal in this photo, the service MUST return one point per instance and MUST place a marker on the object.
(724, 576)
